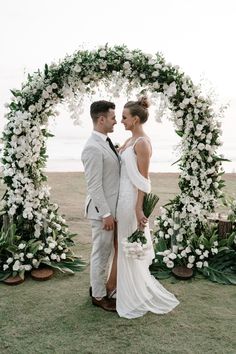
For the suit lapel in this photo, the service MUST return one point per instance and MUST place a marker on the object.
(106, 146)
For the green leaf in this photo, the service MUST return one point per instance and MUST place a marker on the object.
(4, 275)
(221, 268)
(179, 132)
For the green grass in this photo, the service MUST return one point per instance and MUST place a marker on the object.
(57, 317)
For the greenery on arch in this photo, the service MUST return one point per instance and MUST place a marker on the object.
(41, 234)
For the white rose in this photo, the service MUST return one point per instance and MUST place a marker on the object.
(190, 265)
(28, 267)
(63, 256)
(172, 256)
(10, 260)
(155, 73)
(102, 53)
(199, 264)
(170, 264)
(21, 246)
(188, 249)
(191, 259)
(45, 94)
(183, 253)
(32, 108)
(179, 238)
(16, 265)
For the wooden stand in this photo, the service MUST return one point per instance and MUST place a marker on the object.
(182, 272)
(13, 280)
(224, 228)
(42, 274)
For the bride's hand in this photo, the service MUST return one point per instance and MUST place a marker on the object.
(141, 219)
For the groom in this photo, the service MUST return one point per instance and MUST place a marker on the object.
(102, 172)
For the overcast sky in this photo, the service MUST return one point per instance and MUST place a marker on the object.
(197, 35)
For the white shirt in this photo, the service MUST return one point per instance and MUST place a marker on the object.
(103, 136)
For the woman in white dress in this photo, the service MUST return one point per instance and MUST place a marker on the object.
(137, 290)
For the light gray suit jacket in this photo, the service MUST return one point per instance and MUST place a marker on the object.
(102, 173)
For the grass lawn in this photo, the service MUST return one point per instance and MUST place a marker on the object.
(56, 316)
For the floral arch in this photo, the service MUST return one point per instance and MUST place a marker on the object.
(41, 234)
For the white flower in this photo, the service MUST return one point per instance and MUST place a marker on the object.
(170, 264)
(190, 265)
(179, 238)
(5, 267)
(188, 249)
(172, 256)
(155, 73)
(102, 53)
(47, 250)
(16, 265)
(27, 267)
(199, 264)
(205, 264)
(201, 247)
(53, 256)
(32, 108)
(63, 256)
(183, 253)
(166, 252)
(29, 255)
(198, 252)
(21, 246)
(45, 94)
(206, 253)
(170, 231)
(191, 259)
(35, 262)
(10, 260)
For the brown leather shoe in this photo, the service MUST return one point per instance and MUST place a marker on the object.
(105, 304)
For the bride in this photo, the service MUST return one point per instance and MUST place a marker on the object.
(137, 290)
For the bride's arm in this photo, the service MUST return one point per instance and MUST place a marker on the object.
(143, 152)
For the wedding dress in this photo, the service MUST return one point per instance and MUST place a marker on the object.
(137, 290)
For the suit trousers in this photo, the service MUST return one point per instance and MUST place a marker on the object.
(102, 246)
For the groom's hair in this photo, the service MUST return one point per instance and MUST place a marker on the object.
(99, 108)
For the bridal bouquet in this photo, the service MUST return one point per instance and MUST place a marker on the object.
(135, 245)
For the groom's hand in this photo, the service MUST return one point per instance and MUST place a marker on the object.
(108, 223)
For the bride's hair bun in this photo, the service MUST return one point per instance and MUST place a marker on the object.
(144, 102)
(139, 108)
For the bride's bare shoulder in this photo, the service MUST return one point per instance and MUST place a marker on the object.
(143, 144)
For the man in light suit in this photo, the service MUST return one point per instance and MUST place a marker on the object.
(102, 173)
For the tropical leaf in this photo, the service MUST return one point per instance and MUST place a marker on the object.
(4, 275)
(70, 267)
(222, 268)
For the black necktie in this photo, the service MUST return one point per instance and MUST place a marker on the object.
(112, 146)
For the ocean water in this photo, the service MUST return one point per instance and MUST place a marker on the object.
(65, 155)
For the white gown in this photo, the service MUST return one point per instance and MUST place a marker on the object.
(137, 290)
